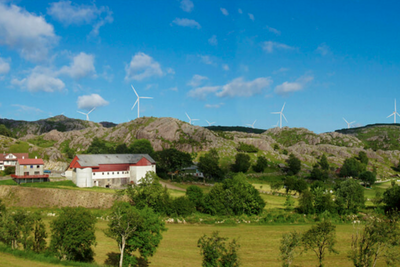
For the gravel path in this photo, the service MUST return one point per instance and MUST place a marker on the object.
(170, 186)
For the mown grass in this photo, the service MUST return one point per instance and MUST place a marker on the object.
(8, 182)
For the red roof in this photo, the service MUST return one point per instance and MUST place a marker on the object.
(30, 162)
(18, 155)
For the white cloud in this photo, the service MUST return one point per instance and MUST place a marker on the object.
(4, 66)
(273, 30)
(224, 11)
(81, 66)
(323, 49)
(270, 46)
(171, 71)
(240, 11)
(206, 59)
(225, 67)
(27, 109)
(202, 92)
(40, 79)
(186, 23)
(91, 101)
(239, 87)
(69, 14)
(213, 40)
(213, 105)
(25, 32)
(197, 80)
(142, 66)
(251, 16)
(187, 5)
(290, 87)
(280, 70)
(175, 89)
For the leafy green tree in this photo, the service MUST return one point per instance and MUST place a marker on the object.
(351, 168)
(5, 131)
(141, 146)
(391, 197)
(323, 200)
(208, 165)
(324, 163)
(379, 239)
(146, 238)
(39, 233)
(172, 160)
(349, 196)
(99, 146)
(289, 247)
(318, 174)
(234, 196)
(289, 203)
(73, 234)
(363, 158)
(321, 238)
(293, 183)
(150, 193)
(306, 201)
(217, 252)
(276, 185)
(369, 178)
(261, 164)
(122, 149)
(182, 206)
(242, 163)
(3, 208)
(196, 195)
(294, 165)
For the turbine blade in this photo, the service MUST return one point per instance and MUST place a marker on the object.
(134, 91)
(81, 112)
(398, 114)
(208, 122)
(345, 120)
(187, 115)
(390, 115)
(146, 97)
(275, 113)
(91, 110)
(283, 106)
(284, 117)
(135, 104)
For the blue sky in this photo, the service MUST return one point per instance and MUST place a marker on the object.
(229, 62)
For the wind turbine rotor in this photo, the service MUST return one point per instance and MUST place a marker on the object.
(283, 106)
(135, 104)
(134, 91)
(284, 117)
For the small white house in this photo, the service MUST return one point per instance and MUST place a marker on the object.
(109, 170)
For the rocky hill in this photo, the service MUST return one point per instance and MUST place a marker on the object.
(50, 138)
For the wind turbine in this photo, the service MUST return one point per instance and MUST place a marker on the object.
(209, 123)
(394, 112)
(87, 114)
(252, 125)
(349, 123)
(276, 125)
(280, 115)
(137, 101)
(190, 120)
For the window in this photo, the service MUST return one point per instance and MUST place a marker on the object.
(117, 172)
(102, 173)
(31, 166)
(94, 173)
(38, 166)
(108, 173)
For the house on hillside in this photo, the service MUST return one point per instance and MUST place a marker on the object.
(109, 170)
(193, 170)
(29, 171)
(10, 159)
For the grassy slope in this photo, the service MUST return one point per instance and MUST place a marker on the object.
(8, 260)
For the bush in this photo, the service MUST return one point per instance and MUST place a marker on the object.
(294, 165)
(195, 195)
(247, 148)
(182, 206)
(261, 164)
(234, 196)
(349, 196)
(242, 163)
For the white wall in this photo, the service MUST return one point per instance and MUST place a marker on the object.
(84, 177)
(139, 172)
(110, 175)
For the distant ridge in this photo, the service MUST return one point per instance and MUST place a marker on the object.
(235, 129)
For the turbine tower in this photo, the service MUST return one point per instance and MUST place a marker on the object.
(394, 112)
(348, 123)
(138, 100)
(252, 125)
(281, 115)
(209, 123)
(87, 114)
(190, 120)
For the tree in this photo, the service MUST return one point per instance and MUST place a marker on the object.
(351, 168)
(349, 196)
(234, 196)
(294, 165)
(172, 160)
(318, 174)
(261, 164)
(391, 197)
(321, 238)
(141, 146)
(306, 202)
(369, 178)
(289, 248)
(217, 252)
(378, 239)
(39, 233)
(122, 149)
(150, 193)
(324, 163)
(196, 195)
(124, 220)
(99, 146)
(322, 200)
(242, 163)
(363, 158)
(289, 203)
(73, 234)
(208, 165)
(276, 185)
(292, 183)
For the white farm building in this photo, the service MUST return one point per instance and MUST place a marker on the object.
(109, 170)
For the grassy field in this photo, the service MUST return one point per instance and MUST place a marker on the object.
(8, 260)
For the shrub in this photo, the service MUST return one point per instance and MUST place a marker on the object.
(182, 206)
(247, 148)
(242, 163)
(261, 164)
(196, 195)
